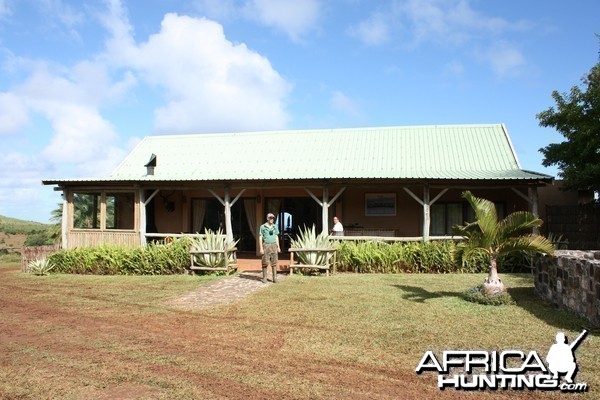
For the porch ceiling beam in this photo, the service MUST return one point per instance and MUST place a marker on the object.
(222, 200)
(151, 197)
(301, 185)
(237, 197)
(436, 198)
(217, 197)
(414, 196)
(524, 196)
(336, 197)
(315, 198)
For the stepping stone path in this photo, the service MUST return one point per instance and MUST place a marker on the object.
(225, 291)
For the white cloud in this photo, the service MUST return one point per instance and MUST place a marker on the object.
(373, 31)
(294, 18)
(81, 134)
(63, 13)
(205, 77)
(217, 9)
(5, 10)
(70, 99)
(449, 22)
(504, 59)
(340, 102)
(208, 84)
(454, 68)
(13, 113)
(20, 182)
(452, 24)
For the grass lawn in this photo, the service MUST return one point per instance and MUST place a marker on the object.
(346, 336)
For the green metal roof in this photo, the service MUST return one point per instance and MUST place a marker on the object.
(481, 152)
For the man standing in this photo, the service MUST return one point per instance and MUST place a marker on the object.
(269, 246)
(338, 228)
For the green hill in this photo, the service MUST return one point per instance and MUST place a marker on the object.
(14, 226)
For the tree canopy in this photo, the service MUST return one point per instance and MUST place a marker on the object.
(577, 118)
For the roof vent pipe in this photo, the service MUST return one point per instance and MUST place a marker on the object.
(151, 164)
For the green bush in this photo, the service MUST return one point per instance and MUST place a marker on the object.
(414, 257)
(39, 238)
(39, 267)
(476, 295)
(309, 239)
(154, 259)
(212, 241)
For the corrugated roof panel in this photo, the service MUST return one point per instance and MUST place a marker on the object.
(417, 152)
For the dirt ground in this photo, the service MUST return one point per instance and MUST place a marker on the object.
(66, 350)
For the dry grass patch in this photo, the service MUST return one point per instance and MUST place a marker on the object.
(346, 336)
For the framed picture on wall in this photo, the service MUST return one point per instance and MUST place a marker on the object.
(380, 204)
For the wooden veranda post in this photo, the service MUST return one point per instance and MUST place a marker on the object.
(532, 199)
(426, 212)
(325, 204)
(325, 210)
(227, 204)
(533, 195)
(426, 203)
(142, 220)
(65, 219)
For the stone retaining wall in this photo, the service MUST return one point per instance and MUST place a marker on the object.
(571, 280)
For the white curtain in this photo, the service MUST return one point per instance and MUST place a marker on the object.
(198, 211)
(250, 208)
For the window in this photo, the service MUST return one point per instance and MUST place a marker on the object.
(445, 215)
(86, 210)
(119, 212)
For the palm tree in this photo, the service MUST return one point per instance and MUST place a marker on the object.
(55, 229)
(498, 238)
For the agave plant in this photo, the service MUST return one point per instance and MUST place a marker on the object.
(213, 241)
(40, 267)
(497, 239)
(308, 239)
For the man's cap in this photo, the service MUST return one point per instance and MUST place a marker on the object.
(270, 215)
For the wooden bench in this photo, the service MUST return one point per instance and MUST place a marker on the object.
(330, 253)
(225, 253)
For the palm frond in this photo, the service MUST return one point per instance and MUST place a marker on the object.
(485, 213)
(532, 242)
(517, 223)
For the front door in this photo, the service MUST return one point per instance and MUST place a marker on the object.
(292, 214)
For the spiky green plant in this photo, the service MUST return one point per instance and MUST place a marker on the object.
(40, 266)
(309, 239)
(494, 238)
(212, 240)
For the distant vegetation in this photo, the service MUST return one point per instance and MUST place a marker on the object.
(37, 233)
(14, 226)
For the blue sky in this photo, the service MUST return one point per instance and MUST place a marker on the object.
(81, 82)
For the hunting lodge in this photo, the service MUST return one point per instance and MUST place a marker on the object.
(402, 183)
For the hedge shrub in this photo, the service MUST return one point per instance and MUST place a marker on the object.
(416, 257)
(154, 259)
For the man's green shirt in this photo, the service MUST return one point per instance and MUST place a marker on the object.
(269, 233)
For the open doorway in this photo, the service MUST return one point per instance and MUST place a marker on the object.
(293, 213)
